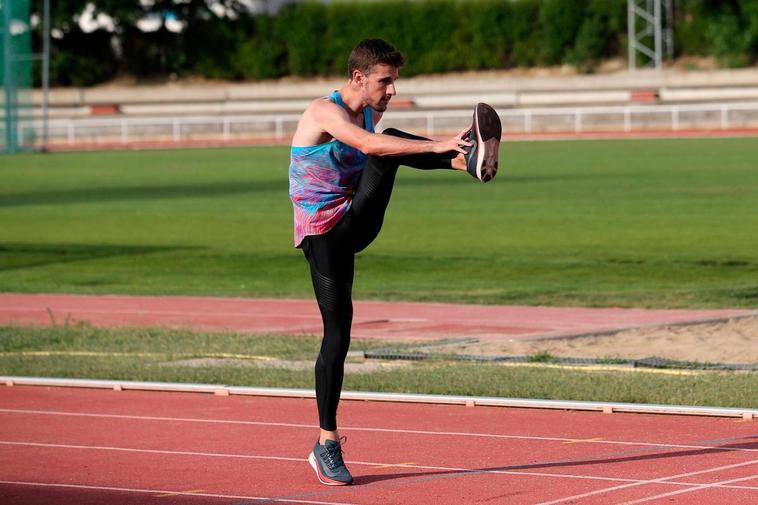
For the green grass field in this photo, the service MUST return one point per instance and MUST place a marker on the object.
(647, 223)
(80, 351)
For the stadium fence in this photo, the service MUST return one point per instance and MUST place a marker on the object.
(279, 128)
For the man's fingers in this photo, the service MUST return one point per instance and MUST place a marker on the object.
(458, 145)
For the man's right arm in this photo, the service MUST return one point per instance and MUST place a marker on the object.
(334, 120)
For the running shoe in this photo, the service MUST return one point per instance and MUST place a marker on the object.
(481, 160)
(326, 461)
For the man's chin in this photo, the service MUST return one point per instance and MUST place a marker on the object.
(380, 107)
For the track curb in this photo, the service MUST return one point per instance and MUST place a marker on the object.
(468, 401)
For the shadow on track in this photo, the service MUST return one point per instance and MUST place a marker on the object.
(617, 457)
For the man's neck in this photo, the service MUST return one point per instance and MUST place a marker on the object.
(352, 99)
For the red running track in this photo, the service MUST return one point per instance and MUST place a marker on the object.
(382, 320)
(61, 446)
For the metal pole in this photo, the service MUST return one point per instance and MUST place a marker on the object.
(631, 33)
(45, 74)
(658, 38)
(10, 145)
(669, 29)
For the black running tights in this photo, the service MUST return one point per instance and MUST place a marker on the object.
(332, 260)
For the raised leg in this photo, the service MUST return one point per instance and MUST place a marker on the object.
(375, 187)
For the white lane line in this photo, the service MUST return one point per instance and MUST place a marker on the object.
(158, 491)
(661, 480)
(373, 464)
(150, 451)
(378, 430)
(693, 489)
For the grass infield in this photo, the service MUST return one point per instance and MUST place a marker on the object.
(643, 223)
(80, 351)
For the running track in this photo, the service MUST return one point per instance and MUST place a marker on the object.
(65, 446)
(382, 320)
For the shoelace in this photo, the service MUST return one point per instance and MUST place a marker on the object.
(333, 456)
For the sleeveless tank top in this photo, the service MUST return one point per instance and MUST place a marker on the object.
(322, 180)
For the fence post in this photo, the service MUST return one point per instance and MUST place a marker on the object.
(226, 129)
(429, 124)
(177, 133)
(724, 117)
(577, 121)
(675, 118)
(71, 133)
(124, 131)
(528, 122)
(627, 119)
(279, 128)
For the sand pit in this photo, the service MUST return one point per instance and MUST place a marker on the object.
(733, 341)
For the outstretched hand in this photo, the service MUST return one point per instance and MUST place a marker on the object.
(456, 144)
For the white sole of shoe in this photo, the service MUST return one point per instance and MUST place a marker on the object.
(480, 143)
(327, 482)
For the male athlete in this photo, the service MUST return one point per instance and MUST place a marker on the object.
(341, 176)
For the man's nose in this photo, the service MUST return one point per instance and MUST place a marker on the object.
(391, 90)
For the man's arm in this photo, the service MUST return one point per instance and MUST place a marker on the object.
(334, 120)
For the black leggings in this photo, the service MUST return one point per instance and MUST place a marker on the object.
(332, 261)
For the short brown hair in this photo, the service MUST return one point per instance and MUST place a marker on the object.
(370, 52)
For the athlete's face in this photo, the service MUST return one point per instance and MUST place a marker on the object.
(378, 86)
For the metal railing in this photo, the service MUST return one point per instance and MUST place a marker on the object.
(278, 128)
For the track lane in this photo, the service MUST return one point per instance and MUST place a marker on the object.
(462, 453)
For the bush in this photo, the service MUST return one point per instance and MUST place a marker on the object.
(560, 20)
(726, 30)
(300, 27)
(82, 59)
(210, 47)
(314, 38)
(600, 34)
(260, 55)
(150, 54)
(525, 51)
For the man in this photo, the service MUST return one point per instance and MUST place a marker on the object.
(341, 177)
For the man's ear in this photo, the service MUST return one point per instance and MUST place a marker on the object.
(359, 77)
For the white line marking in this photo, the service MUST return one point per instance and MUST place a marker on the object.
(152, 491)
(149, 451)
(661, 480)
(372, 464)
(378, 430)
(696, 488)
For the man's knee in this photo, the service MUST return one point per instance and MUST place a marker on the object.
(329, 363)
(394, 132)
(400, 133)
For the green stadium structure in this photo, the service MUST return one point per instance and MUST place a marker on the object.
(16, 63)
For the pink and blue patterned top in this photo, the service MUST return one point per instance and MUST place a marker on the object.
(323, 179)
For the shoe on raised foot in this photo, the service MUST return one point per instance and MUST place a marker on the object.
(326, 461)
(481, 160)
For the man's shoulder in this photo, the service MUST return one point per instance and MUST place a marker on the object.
(323, 104)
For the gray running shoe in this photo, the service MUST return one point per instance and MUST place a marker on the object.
(481, 160)
(326, 461)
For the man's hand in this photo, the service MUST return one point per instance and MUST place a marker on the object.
(456, 144)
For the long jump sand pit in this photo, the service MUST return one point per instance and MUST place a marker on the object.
(731, 341)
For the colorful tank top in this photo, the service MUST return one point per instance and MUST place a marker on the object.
(323, 179)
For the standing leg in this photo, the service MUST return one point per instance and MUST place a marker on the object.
(331, 261)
